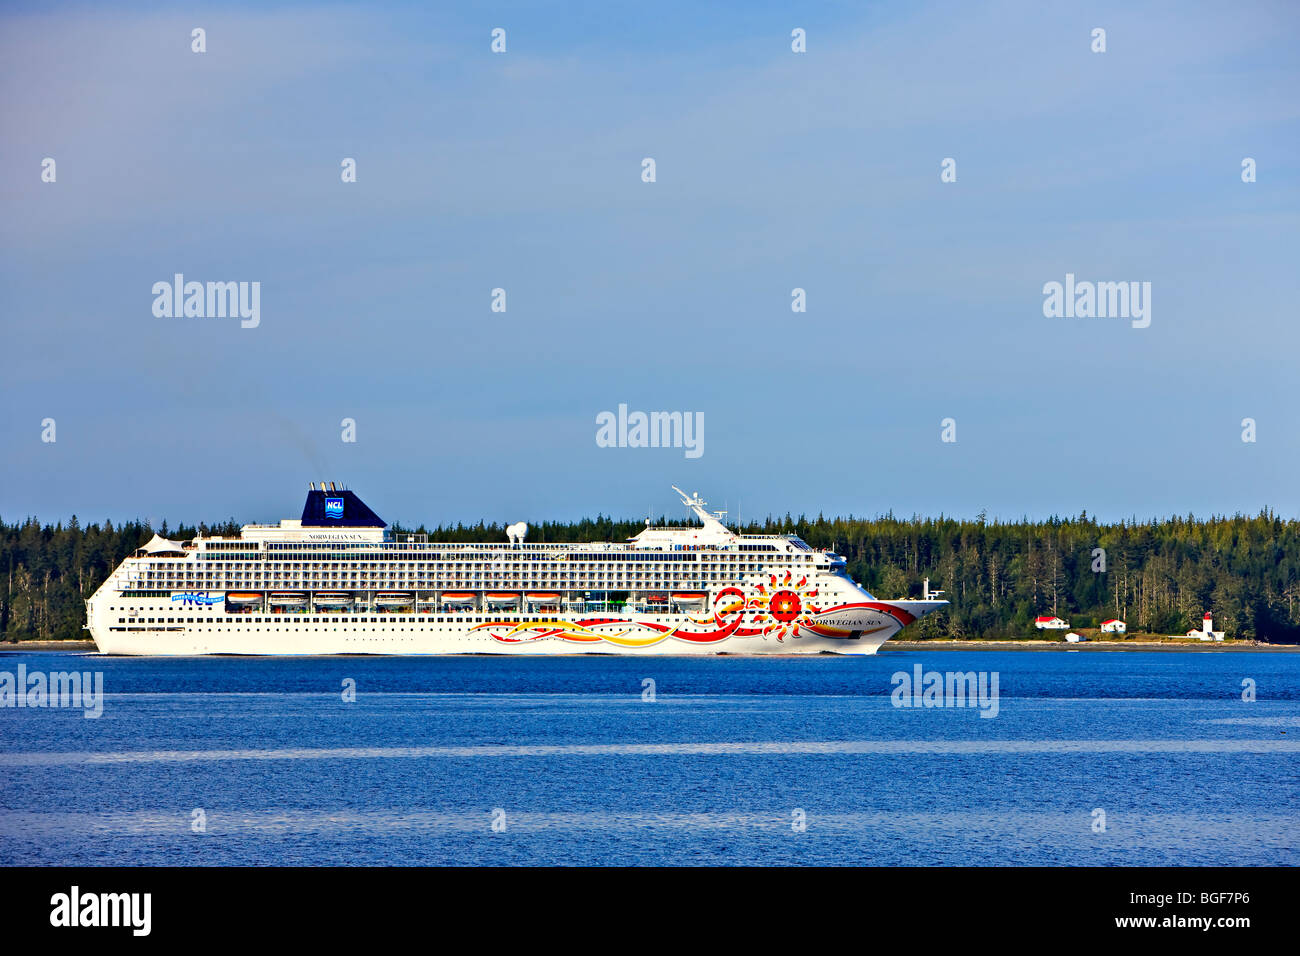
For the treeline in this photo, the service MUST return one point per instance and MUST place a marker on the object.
(49, 570)
(1159, 576)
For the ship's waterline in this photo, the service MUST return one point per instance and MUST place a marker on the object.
(337, 581)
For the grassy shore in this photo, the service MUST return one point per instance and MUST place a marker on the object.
(82, 646)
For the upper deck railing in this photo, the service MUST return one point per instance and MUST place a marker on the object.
(415, 542)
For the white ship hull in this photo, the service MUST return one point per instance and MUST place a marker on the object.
(408, 634)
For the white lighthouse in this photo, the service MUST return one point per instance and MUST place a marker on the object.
(1207, 631)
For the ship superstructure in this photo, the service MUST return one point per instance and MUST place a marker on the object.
(338, 581)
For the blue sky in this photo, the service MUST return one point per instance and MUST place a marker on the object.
(775, 170)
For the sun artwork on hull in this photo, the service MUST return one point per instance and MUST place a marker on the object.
(781, 609)
(786, 604)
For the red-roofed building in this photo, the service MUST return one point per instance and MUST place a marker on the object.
(1114, 626)
(1049, 623)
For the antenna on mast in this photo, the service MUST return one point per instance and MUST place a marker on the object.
(696, 504)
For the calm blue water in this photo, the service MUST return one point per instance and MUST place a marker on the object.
(286, 772)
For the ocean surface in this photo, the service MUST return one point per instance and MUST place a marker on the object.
(1132, 758)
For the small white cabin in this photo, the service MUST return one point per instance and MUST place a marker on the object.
(1047, 623)
(1113, 626)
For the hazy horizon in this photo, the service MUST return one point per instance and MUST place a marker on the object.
(680, 516)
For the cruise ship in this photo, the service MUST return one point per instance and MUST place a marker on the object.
(339, 581)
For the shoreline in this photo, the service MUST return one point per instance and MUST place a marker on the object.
(1007, 645)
